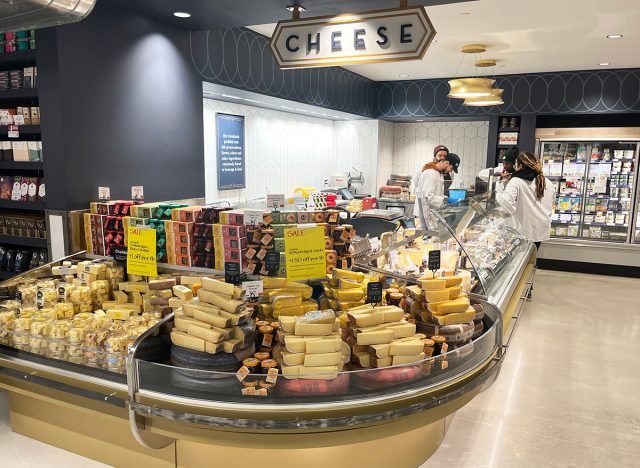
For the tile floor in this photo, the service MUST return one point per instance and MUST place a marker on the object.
(565, 396)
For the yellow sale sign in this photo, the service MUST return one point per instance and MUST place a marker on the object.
(305, 252)
(141, 251)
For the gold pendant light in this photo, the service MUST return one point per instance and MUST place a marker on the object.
(463, 88)
(495, 99)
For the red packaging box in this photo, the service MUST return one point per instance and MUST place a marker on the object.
(369, 203)
(180, 227)
(188, 214)
(233, 231)
(234, 255)
(183, 260)
(232, 217)
(234, 243)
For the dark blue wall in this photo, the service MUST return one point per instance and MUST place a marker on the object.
(597, 91)
(241, 58)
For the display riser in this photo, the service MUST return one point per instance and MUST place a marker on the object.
(89, 433)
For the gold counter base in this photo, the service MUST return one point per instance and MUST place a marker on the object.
(92, 434)
(400, 444)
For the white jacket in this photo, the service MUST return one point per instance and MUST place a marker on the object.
(429, 188)
(532, 217)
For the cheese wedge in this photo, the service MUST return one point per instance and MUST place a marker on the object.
(441, 295)
(380, 350)
(120, 297)
(432, 284)
(218, 287)
(175, 303)
(230, 305)
(361, 358)
(323, 359)
(290, 372)
(207, 334)
(352, 295)
(306, 291)
(212, 319)
(182, 323)
(283, 300)
(398, 360)
(184, 340)
(316, 329)
(410, 347)
(190, 280)
(309, 305)
(403, 330)
(239, 318)
(415, 292)
(361, 308)
(454, 318)
(292, 359)
(289, 311)
(312, 344)
(232, 345)
(374, 337)
(381, 362)
(346, 274)
(318, 373)
(454, 292)
(182, 292)
(450, 307)
(349, 284)
(453, 281)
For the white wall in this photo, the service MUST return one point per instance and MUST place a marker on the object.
(285, 150)
(414, 142)
(385, 152)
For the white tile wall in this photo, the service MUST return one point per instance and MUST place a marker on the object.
(414, 142)
(284, 150)
(385, 152)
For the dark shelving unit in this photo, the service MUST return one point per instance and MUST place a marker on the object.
(22, 165)
(23, 241)
(24, 206)
(24, 130)
(19, 58)
(24, 93)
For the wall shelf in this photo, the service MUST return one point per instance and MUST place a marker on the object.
(13, 59)
(7, 275)
(24, 93)
(25, 206)
(22, 165)
(23, 241)
(24, 130)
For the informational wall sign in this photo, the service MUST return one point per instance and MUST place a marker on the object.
(305, 252)
(373, 36)
(230, 151)
(141, 251)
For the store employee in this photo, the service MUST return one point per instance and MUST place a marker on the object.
(429, 188)
(439, 152)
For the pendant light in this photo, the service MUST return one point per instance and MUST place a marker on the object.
(462, 88)
(495, 98)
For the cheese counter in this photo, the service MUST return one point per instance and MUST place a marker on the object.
(376, 384)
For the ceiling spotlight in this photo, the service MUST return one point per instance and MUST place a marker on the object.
(419, 120)
(614, 36)
(464, 13)
(604, 64)
(293, 7)
(182, 14)
(434, 41)
(403, 76)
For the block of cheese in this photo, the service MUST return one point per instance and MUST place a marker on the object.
(432, 284)
(450, 307)
(190, 280)
(381, 362)
(230, 305)
(289, 311)
(207, 334)
(165, 283)
(185, 340)
(409, 347)
(309, 305)
(306, 291)
(280, 301)
(239, 318)
(120, 314)
(361, 308)
(241, 333)
(454, 318)
(158, 301)
(323, 359)
(112, 305)
(232, 345)
(312, 344)
(272, 282)
(454, 292)
(380, 350)
(349, 284)
(349, 294)
(346, 274)
(415, 292)
(318, 373)
(292, 359)
(131, 287)
(218, 287)
(402, 330)
(182, 323)
(175, 303)
(452, 281)
(137, 298)
(361, 358)
(165, 293)
(398, 360)
(365, 318)
(375, 337)
(182, 292)
(290, 372)
(120, 297)
(212, 319)
(441, 295)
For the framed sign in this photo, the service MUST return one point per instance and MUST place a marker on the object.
(230, 151)
(368, 37)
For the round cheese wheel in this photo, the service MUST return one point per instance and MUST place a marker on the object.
(385, 377)
(453, 334)
(479, 312)
(304, 387)
(478, 329)
(220, 362)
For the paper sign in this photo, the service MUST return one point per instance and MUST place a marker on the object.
(253, 217)
(137, 192)
(275, 201)
(18, 119)
(231, 272)
(104, 193)
(14, 131)
(252, 289)
(374, 293)
(305, 253)
(141, 251)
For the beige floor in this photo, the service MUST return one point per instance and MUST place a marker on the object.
(568, 394)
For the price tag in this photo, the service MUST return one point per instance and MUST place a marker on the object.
(374, 293)
(232, 272)
(65, 270)
(272, 262)
(275, 201)
(434, 260)
(40, 298)
(137, 192)
(16, 194)
(62, 293)
(18, 119)
(104, 193)
(14, 131)
(119, 253)
(253, 217)
(252, 289)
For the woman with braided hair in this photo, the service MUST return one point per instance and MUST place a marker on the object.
(529, 198)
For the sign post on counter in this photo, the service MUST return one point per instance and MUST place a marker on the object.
(374, 36)
(141, 251)
(305, 252)
(230, 151)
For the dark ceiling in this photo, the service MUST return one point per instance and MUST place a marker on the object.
(209, 14)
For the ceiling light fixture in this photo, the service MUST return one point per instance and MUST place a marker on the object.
(293, 7)
(614, 36)
(495, 99)
(462, 88)
(434, 41)
(419, 120)
(604, 64)
(182, 14)
(403, 76)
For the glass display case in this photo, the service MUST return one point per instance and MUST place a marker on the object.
(594, 183)
(171, 394)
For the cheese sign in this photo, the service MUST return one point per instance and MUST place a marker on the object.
(369, 37)
(141, 251)
(305, 252)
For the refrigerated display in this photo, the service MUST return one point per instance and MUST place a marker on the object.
(594, 185)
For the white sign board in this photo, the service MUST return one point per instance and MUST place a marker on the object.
(374, 36)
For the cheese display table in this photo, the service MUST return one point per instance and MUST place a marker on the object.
(373, 384)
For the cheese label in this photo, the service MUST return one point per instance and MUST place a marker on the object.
(32, 190)
(24, 189)
(267, 340)
(15, 193)
(305, 253)
(252, 289)
(272, 375)
(242, 373)
(249, 391)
